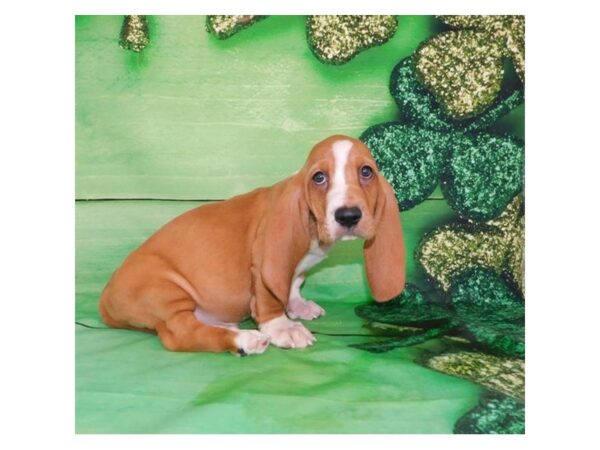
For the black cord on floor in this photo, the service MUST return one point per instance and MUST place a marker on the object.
(343, 334)
(85, 325)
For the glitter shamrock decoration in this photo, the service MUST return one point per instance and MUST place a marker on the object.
(497, 244)
(480, 306)
(479, 172)
(418, 105)
(332, 39)
(410, 318)
(226, 26)
(464, 67)
(134, 33)
(337, 39)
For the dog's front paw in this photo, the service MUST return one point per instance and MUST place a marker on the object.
(286, 333)
(250, 342)
(298, 308)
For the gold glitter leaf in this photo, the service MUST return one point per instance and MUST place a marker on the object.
(498, 244)
(451, 249)
(506, 375)
(516, 256)
(226, 26)
(510, 216)
(134, 33)
(507, 30)
(515, 44)
(485, 23)
(463, 68)
(463, 71)
(337, 39)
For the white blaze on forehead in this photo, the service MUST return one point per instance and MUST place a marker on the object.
(337, 193)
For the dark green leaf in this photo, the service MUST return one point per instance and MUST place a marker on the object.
(492, 314)
(497, 414)
(483, 174)
(497, 337)
(410, 308)
(390, 344)
(480, 293)
(409, 157)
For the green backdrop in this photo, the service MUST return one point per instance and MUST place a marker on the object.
(193, 119)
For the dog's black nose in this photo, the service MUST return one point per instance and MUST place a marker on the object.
(348, 217)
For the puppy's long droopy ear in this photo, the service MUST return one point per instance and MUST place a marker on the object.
(385, 258)
(287, 237)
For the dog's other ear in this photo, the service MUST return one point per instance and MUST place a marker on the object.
(286, 238)
(385, 258)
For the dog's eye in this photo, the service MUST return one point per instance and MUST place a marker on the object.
(366, 172)
(319, 178)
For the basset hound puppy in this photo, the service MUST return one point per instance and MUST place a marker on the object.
(201, 274)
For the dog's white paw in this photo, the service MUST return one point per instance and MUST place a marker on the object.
(298, 308)
(250, 342)
(286, 333)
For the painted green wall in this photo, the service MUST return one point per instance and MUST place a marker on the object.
(192, 117)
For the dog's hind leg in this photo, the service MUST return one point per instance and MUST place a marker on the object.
(183, 332)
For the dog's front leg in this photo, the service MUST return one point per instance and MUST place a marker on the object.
(269, 314)
(300, 308)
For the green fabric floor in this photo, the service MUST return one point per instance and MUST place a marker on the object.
(127, 383)
(194, 119)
